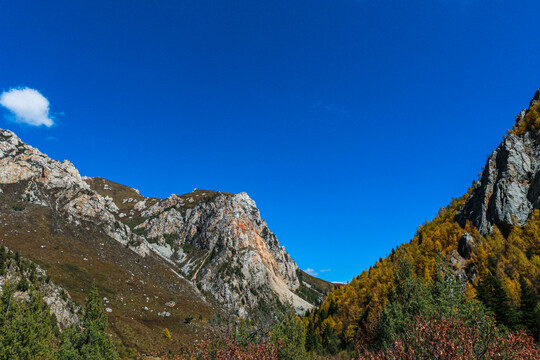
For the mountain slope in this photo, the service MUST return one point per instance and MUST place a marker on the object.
(217, 240)
(159, 263)
(490, 235)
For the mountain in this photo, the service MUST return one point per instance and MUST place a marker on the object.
(490, 237)
(171, 263)
(509, 189)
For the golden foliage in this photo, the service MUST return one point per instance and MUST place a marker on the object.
(531, 121)
(508, 258)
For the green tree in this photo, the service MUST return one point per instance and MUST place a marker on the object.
(313, 340)
(409, 297)
(493, 296)
(291, 334)
(530, 308)
(26, 326)
(88, 340)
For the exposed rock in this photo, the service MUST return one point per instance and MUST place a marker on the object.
(216, 240)
(509, 188)
(140, 206)
(466, 246)
(239, 254)
(58, 300)
(59, 185)
(463, 268)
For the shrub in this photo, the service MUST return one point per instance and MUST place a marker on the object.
(22, 285)
(454, 338)
(18, 207)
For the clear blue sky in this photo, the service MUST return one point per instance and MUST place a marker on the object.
(348, 122)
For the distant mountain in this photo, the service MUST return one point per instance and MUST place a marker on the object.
(159, 263)
(490, 236)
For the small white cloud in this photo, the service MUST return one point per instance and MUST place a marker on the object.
(27, 106)
(311, 272)
(325, 270)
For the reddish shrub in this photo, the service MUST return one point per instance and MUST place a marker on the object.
(451, 339)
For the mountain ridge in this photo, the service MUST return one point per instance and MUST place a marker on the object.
(157, 261)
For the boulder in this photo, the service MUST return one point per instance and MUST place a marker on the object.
(466, 246)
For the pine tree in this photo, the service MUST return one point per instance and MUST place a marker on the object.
(491, 293)
(530, 308)
(313, 341)
(26, 327)
(2, 260)
(88, 340)
(291, 333)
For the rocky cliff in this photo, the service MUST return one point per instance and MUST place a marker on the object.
(157, 261)
(509, 188)
(218, 241)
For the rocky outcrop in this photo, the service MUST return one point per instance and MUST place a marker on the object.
(233, 255)
(58, 300)
(60, 186)
(218, 241)
(461, 259)
(466, 246)
(509, 189)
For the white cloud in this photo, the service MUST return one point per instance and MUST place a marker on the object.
(27, 106)
(314, 272)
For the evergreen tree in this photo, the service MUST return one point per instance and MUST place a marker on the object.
(330, 341)
(26, 327)
(530, 308)
(491, 293)
(409, 297)
(2, 260)
(442, 298)
(292, 335)
(313, 340)
(88, 340)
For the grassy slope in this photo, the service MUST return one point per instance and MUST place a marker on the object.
(76, 257)
(121, 276)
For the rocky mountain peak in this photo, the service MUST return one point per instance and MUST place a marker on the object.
(20, 162)
(509, 188)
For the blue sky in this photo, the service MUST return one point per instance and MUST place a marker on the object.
(348, 122)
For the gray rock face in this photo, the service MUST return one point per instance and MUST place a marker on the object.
(58, 185)
(218, 241)
(466, 245)
(509, 188)
(235, 257)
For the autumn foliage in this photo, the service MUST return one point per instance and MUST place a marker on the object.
(506, 268)
(452, 339)
(216, 347)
